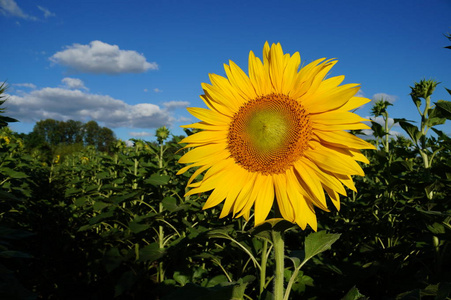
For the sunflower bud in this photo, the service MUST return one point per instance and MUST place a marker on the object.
(162, 134)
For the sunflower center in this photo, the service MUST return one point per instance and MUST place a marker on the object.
(268, 134)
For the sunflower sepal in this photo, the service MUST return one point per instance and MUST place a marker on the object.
(278, 224)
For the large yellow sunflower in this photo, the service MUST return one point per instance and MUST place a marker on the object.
(279, 133)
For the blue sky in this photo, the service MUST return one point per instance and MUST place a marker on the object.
(134, 66)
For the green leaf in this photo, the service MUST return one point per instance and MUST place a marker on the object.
(444, 290)
(353, 294)
(99, 205)
(13, 234)
(170, 203)
(441, 134)
(411, 130)
(118, 199)
(182, 279)
(378, 130)
(14, 254)
(444, 107)
(112, 259)
(217, 280)
(156, 179)
(150, 252)
(226, 291)
(13, 174)
(297, 257)
(80, 201)
(135, 227)
(125, 283)
(318, 242)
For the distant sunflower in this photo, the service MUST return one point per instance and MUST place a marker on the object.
(278, 133)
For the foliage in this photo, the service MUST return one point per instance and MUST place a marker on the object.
(53, 133)
(4, 120)
(91, 224)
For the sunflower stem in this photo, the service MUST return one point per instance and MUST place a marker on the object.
(263, 266)
(279, 254)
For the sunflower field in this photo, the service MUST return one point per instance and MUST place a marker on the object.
(116, 224)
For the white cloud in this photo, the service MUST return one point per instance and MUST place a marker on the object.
(184, 120)
(27, 85)
(360, 93)
(74, 83)
(99, 57)
(385, 97)
(64, 104)
(157, 90)
(171, 105)
(140, 134)
(10, 8)
(47, 13)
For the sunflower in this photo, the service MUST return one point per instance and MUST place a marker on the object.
(277, 133)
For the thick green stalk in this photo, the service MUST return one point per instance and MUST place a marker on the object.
(263, 266)
(279, 254)
(160, 227)
(387, 133)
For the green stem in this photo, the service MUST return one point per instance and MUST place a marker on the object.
(279, 248)
(263, 266)
(161, 246)
(387, 133)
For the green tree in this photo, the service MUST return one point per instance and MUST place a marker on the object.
(4, 120)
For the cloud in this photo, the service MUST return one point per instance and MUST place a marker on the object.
(140, 134)
(184, 120)
(157, 90)
(65, 104)
(47, 13)
(27, 85)
(385, 97)
(102, 58)
(171, 105)
(74, 83)
(10, 8)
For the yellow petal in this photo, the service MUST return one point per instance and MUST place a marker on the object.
(197, 173)
(354, 102)
(290, 72)
(333, 196)
(305, 77)
(276, 67)
(333, 161)
(264, 200)
(203, 152)
(206, 126)
(209, 116)
(319, 77)
(206, 137)
(245, 194)
(285, 207)
(347, 181)
(330, 100)
(216, 105)
(336, 118)
(309, 181)
(240, 81)
(239, 180)
(258, 76)
(343, 139)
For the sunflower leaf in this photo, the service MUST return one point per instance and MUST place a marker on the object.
(318, 242)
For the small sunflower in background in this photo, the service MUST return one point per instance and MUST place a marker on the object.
(278, 133)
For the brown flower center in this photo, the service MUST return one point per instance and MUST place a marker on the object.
(268, 134)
